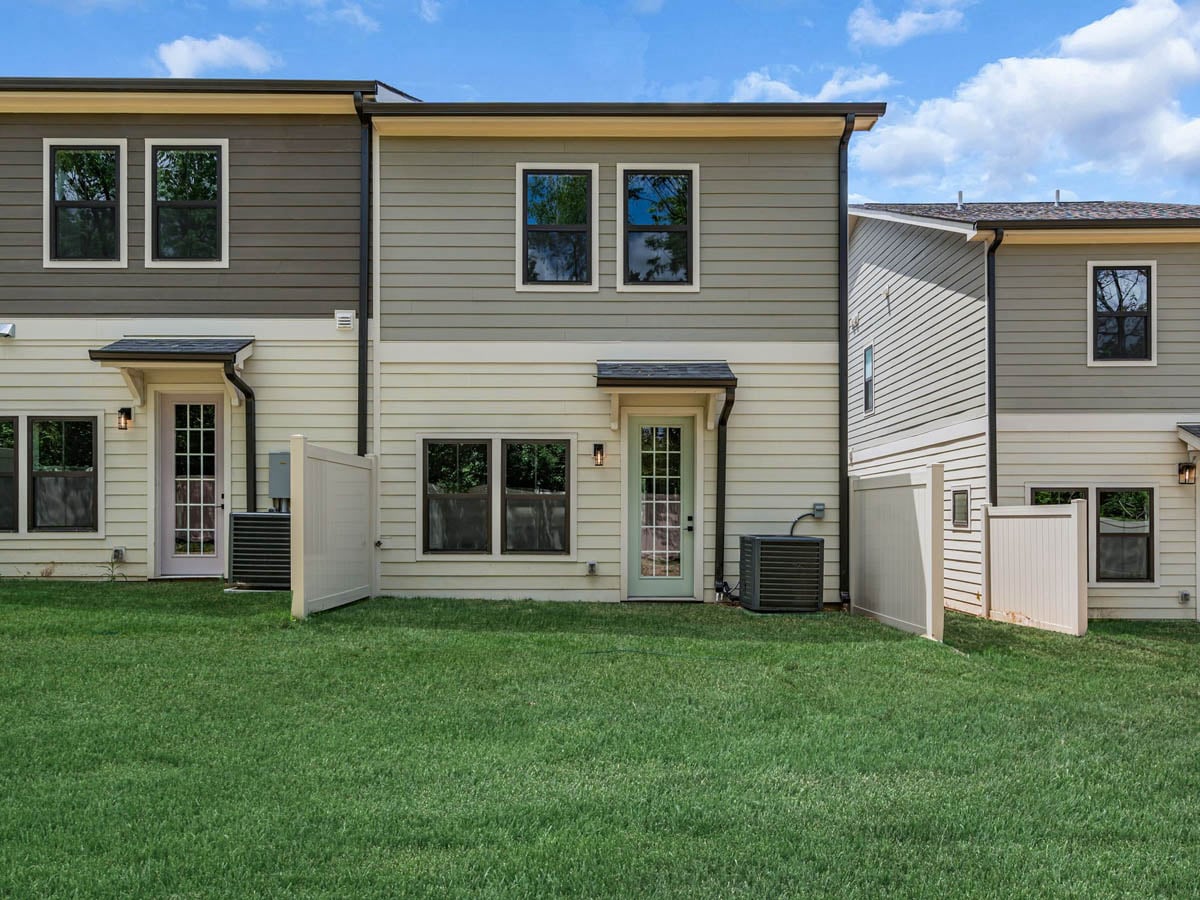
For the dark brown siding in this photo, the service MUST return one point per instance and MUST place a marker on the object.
(293, 211)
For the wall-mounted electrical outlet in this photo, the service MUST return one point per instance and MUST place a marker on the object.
(818, 510)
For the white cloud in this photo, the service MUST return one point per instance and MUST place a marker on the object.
(761, 86)
(429, 10)
(352, 14)
(188, 57)
(1107, 101)
(319, 11)
(867, 26)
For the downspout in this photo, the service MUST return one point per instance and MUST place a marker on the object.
(233, 378)
(993, 470)
(843, 360)
(364, 256)
(721, 586)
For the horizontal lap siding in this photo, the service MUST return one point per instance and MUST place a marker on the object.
(782, 459)
(1042, 333)
(965, 462)
(919, 298)
(294, 213)
(768, 243)
(1117, 457)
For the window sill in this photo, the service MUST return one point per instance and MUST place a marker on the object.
(187, 264)
(1122, 363)
(497, 557)
(85, 264)
(557, 288)
(1111, 585)
(41, 535)
(658, 288)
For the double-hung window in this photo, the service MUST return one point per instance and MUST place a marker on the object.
(1121, 313)
(85, 214)
(557, 211)
(62, 474)
(8, 473)
(658, 245)
(457, 508)
(187, 203)
(536, 516)
(1121, 529)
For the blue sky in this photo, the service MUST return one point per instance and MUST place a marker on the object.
(1001, 100)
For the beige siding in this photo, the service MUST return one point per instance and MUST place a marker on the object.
(965, 465)
(782, 459)
(1121, 452)
(919, 298)
(304, 383)
(293, 236)
(1042, 333)
(768, 243)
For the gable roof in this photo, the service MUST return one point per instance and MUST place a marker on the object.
(1073, 214)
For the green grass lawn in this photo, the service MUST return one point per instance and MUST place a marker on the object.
(174, 740)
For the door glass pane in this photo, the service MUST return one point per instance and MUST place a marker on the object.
(661, 501)
(196, 505)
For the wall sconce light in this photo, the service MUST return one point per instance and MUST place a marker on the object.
(1187, 472)
(598, 454)
(124, 418)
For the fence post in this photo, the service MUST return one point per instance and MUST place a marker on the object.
(1079, 522)
(985, 562)
(297, 505)
(935, 559)
(374, 524)
(855, 539)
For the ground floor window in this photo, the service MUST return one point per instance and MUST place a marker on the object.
(536, 517)
(8, 474)
(1122, 528)
(62, 474)
(457, 504)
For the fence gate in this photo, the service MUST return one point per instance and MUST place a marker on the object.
(333, 541)
(896, 539)
(1035, 566)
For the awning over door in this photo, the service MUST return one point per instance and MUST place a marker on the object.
(134, 355)
(1189, 434)
(708, 377)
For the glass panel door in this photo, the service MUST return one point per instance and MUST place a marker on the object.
(192, 501)
(661, 513)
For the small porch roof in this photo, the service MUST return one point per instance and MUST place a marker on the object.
(132, 356)
(706, 377)
(1189, 433)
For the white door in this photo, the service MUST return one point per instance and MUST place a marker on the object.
(191, 514)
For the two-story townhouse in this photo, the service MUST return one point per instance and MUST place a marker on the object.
(608, 343)
(1042, 352)
(172, 257)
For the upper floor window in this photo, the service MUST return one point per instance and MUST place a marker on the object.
(558, 212)
(658, 245)
(869, 379)
(1121, 313)
(187, 204)
(84, 210)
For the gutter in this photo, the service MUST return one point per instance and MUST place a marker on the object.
(717, 110)
(364, 250)
(843, 361)
(722, 464)
(247, 392)
(991, 363)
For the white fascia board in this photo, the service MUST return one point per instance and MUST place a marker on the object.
(969, 231)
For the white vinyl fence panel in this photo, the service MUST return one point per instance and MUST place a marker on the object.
(333, 541)
(896, 540)
(1035, 566)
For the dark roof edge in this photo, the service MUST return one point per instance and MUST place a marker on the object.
(780, 110)
(617, 381)
(101, 355)
(195, 85)
(1027, 224)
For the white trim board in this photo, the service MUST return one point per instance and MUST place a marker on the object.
(519, 235)
(969, 231)
(101, 329)
(1111, 421)
(693, 238)
(769, 352)
(925, 439)
(122, 261)
(148, 221)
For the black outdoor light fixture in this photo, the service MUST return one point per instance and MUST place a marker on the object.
(1187, 472)
(598, 454)
(125, 417)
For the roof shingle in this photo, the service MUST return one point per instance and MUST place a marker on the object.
(1065, 214)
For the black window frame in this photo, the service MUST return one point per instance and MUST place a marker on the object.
(956, 522)
(56, 204)
(425, 549)
(627, 228)
(16, 476)
(869, 378)
(156, 205)
(1120, 317)
(587, 229)
(1149, 536)
(31, 475)
(504, 444)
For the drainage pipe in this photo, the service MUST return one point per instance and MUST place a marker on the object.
(247, 393)
(991, 363)
(722, 464)
(364, 272)
(843, 361)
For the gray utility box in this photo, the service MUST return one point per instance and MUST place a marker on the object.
(280, 482)
(781, 573)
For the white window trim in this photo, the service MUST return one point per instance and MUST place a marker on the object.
(519, 236)
(952, 490)
(150, 261)
(23, 463)
(495, 473)
(1091, 486)
(1091, 314)
(122, 261)
(694, 285)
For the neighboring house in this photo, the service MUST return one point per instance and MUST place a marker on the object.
(568, 295)
(177, 250)
(1071, 378)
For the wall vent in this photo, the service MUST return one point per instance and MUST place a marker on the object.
(344, 319)
(781, 573)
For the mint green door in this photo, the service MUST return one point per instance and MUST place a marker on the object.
(661, 512)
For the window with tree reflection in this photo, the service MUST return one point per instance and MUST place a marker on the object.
(1124, 534)
(62, 474)
(558, 227)
(457, 504)
(85, 203)
(8, 474)
(1121, 298)
(535, 514)
(658, 227)
(187, 203)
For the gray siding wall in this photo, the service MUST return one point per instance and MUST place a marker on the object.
(294, 206)
(1042, 334)
(920, 299)
(768, 243)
